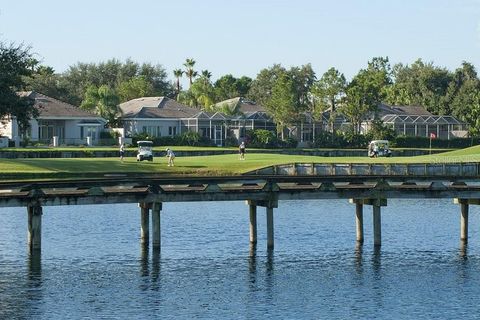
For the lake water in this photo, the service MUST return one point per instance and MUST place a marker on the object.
(92, 265)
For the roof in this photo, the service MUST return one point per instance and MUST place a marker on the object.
(384, 109)
(156, 107)
(413, 115)
(240, 104)
(49, 107)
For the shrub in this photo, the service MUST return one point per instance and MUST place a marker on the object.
(262, 139)
(424, 142)
(231, 141)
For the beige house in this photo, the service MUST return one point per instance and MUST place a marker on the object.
(58, 123)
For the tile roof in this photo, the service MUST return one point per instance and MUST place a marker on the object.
(49, 107)
(156, 107)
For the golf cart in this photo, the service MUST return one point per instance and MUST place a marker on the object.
(379, 148)
(145, 150)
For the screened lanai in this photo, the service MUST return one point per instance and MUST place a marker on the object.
(443, 127)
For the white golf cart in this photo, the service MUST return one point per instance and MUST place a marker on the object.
(145, 150)
(379, 148)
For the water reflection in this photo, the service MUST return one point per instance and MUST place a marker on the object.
(144, 263)
(34, 281)
(463, 251)
(155, 265)
(35, 268)
(252, 258)
(376, 261)
(149, 269)
(358, 257)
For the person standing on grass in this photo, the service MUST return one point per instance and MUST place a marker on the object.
(241, 150)
(171, 157)
(122, 151)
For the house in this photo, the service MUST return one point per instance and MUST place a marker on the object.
(245, 115)
(58, 123)
(416, 121)
(162, 116)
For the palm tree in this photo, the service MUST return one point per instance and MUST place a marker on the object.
(178, 74)
(206, 75)
(189, 72)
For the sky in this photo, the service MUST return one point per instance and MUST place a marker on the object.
(243, 37)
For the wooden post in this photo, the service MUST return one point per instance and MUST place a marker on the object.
(464, 221)
(156, 236)
(34, 227)
(270, 242)
(359, 221)
(377, 226)
(253, 221)
(144, 222)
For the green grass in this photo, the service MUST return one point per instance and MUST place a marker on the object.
(228, 164)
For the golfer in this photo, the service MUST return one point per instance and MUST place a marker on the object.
(241, 150)
(171, 157)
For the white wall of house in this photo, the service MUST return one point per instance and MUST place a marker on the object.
(7, 128)
(34, 130)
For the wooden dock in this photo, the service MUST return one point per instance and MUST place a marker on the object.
(362, 184)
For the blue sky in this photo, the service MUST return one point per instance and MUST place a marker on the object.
(243, 37)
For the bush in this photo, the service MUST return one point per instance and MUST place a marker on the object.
(424, 142)
(326, 139)
(290, 142)
(231, 141)
(191, 138)
(262, 139)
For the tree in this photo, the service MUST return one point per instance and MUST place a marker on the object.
(328, 93)
(178, 74)
(112, 73)
(421, 84)
(262, 86)
(44, 80)
(103, 101)
(463, 94)
(243, 85)
(227, 87)
(203, 91)
(134, 88)
(283, 104)
(189, 71)
(363, 95)
(303, 78)
(15, 64)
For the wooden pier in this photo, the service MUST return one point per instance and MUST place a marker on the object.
(361, 184)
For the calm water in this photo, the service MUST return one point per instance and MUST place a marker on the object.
(92, 265)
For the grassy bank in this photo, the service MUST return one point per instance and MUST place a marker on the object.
(228, 164)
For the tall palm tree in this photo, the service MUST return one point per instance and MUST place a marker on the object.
(178, 74)
(206, 75)
(189, 72)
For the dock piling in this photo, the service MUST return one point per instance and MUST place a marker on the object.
(34, 227)
(253, 221)
(156, 236)
(377, 226)
(144, 222)
(359, 221)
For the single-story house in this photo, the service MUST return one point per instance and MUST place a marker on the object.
(58, 123)
(416, 121)
(245, 115)
(162, 116)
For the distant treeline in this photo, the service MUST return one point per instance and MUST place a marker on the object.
(286, 93)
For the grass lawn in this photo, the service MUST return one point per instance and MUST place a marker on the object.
(228, 164)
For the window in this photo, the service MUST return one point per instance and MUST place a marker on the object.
(152, 131)
(86, 131)
(172, 131)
